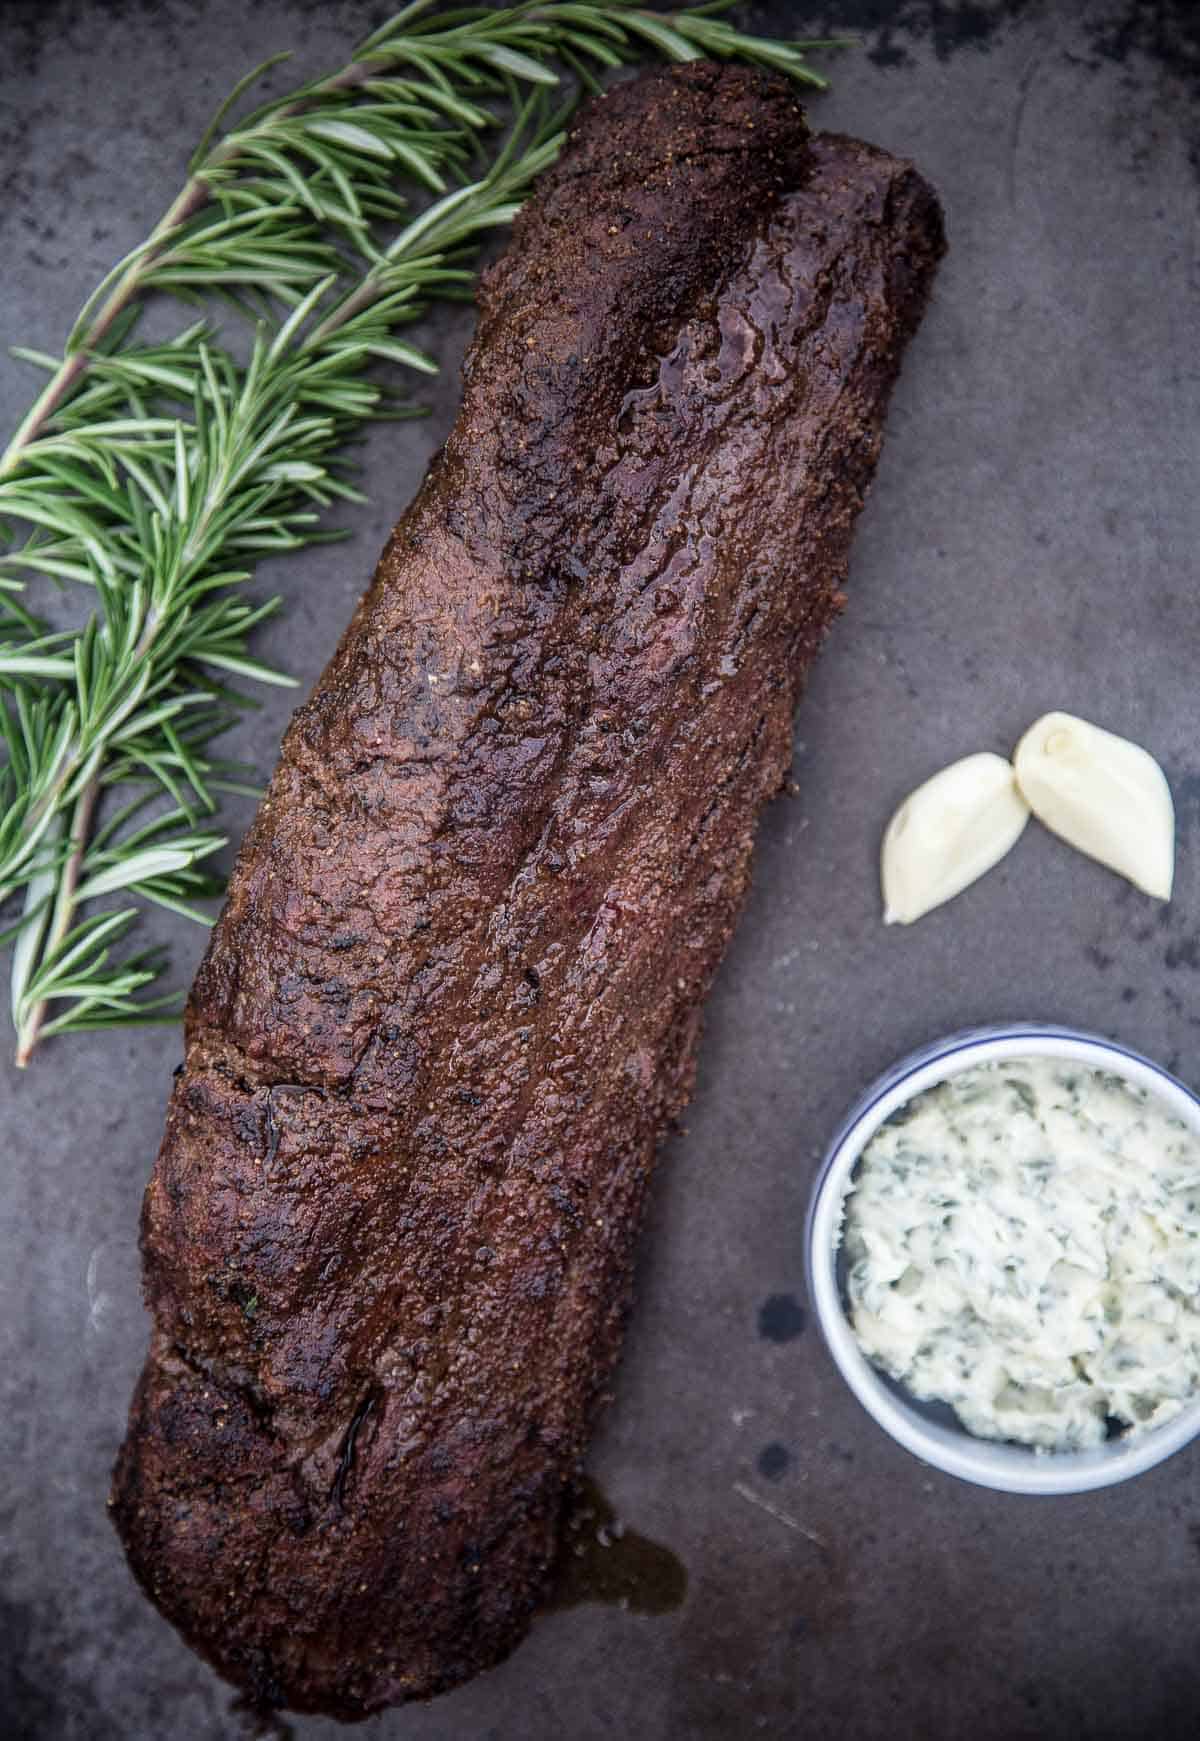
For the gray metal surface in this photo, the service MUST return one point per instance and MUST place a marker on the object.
(1031, 543)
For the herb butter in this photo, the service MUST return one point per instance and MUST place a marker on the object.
(1023, 1242)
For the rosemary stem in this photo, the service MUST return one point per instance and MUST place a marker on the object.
(64, 910)
(368, 292)
(194, 195)
(43, 409)
(63, 918)
(72, 369)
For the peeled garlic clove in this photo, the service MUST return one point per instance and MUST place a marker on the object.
(1104, 795)
(947, 833)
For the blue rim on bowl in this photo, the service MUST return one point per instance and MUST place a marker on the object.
(928, 1430)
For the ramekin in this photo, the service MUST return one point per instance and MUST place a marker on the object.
(928, 1429)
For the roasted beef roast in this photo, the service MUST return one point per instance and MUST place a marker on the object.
(452, 1003)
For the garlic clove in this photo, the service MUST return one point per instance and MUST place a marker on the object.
(947, 833)
(1102, 794)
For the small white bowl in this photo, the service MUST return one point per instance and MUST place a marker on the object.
(929, 1430)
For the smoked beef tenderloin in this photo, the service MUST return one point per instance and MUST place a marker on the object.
(452, 1003)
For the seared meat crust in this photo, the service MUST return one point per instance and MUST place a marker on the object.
(452, 1003)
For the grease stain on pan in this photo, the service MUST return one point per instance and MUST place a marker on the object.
(1162, 36)
(1154, 44)
(601, 1560)
(773, 1461)
(39, 1699)
(885, 24)
(781, 1318)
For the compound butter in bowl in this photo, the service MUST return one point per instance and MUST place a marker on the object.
(1004, 1257)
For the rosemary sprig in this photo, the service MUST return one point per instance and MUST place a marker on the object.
(157, 474)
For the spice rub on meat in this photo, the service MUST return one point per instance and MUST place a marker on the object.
(452, 1003)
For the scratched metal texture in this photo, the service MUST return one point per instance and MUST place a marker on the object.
(1030, 543)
